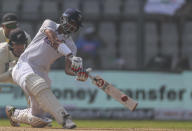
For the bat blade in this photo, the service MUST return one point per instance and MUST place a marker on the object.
(115, 93)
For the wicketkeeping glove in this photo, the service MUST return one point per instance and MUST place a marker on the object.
(76, 64)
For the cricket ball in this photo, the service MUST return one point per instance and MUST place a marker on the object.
(124, 98)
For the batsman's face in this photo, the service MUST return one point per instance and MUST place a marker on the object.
(18, 49)
(70, 27)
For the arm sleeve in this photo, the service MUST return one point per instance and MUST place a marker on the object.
(63, 49)
(4, 63)
(3, 60)
(48, 24)
(70, 43)
(6, 76)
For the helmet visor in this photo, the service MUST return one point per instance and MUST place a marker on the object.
(69, 26)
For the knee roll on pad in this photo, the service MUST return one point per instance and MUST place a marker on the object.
(38, 87)
(35, 84)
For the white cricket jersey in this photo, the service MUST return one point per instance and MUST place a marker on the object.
(40, 54)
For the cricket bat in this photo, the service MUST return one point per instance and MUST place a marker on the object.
(113, 92)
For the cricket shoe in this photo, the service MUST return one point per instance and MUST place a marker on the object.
(68, 123)
(9, 112)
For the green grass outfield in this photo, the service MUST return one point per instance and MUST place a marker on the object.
(123, 124)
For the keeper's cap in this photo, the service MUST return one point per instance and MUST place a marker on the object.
(9, 18)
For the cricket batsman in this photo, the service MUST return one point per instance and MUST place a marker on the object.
(31, 71)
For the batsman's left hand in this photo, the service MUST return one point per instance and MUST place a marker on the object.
(82, 75)
(76, 64)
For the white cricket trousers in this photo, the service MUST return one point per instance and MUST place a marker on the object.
(19, 74)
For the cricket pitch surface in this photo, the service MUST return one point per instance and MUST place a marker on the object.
(88, 129)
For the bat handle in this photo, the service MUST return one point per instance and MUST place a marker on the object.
(88, 70)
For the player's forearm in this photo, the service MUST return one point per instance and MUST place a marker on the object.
(61, 47)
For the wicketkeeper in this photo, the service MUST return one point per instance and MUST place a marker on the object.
(31, 71)
(10, 52)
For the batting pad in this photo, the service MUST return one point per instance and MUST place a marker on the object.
(25, 116)
(38, 87)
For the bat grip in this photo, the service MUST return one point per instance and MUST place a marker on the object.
(88, 70)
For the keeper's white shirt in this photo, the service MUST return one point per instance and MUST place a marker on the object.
(6, 56)
(40, 54)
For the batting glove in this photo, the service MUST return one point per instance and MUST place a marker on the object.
(76, 64)
(82, 75)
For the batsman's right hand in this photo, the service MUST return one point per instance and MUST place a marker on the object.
(76, 64)
(82, 75)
